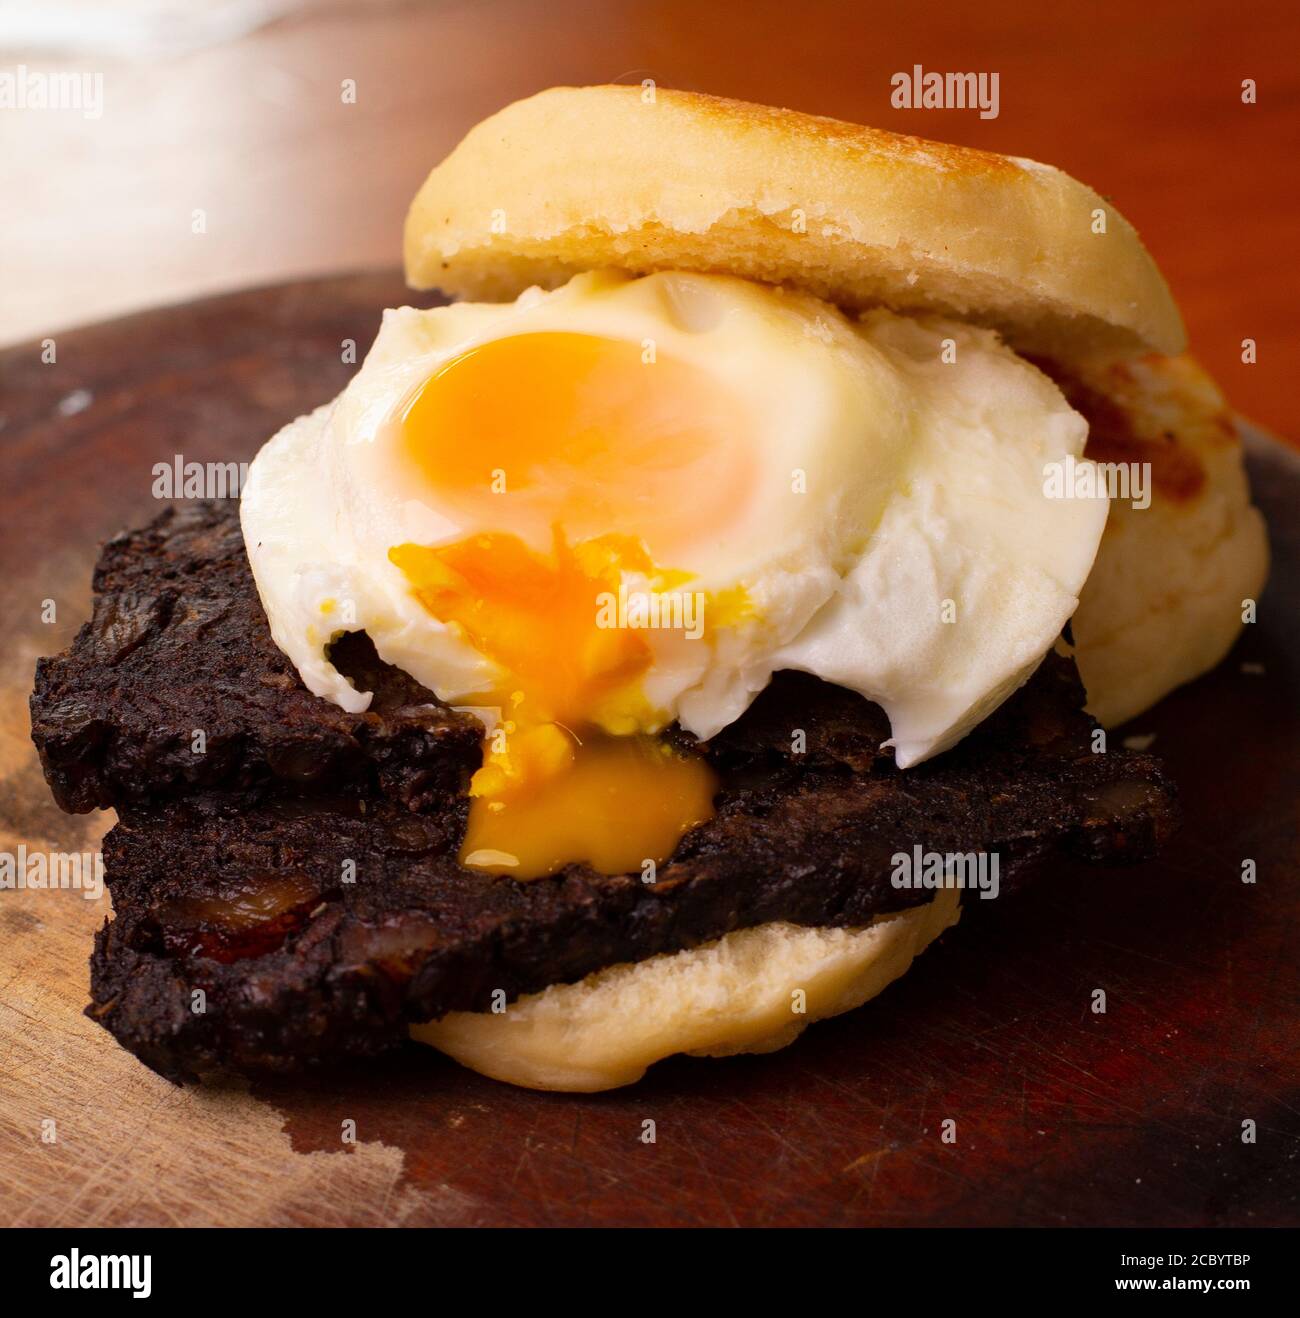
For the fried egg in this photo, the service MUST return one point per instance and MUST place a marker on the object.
(595, 512)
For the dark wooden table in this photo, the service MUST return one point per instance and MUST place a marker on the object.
(1062, 1116)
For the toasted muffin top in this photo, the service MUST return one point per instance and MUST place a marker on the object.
(651, 179)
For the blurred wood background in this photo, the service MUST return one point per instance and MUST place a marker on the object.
(236, 109)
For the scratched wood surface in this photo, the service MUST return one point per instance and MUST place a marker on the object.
(1062, 1116)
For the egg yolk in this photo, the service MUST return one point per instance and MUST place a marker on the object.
(604, 462)
(618, 803)
(596, 435)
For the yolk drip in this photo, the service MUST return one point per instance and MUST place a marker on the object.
(536, 616)
(603, 464)
(620, 802)
(563, 777)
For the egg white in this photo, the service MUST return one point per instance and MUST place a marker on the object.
(899, 543)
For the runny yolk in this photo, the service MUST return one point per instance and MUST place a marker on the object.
(596, 435)
(620, 802)
(602, 463)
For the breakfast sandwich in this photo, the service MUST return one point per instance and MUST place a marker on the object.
(649, 651)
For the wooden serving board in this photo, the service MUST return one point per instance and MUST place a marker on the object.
(1062, 1115)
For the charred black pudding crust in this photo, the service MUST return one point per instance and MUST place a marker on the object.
(307, 881)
